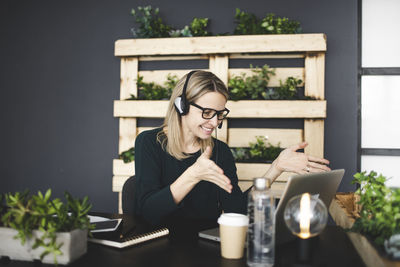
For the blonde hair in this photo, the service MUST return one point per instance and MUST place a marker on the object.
(200, 83)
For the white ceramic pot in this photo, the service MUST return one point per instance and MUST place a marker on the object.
(74, 246)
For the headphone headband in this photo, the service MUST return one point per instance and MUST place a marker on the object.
(181, 103)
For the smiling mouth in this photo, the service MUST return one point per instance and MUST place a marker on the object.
(208, 130)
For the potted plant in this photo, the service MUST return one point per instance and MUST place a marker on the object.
(371, 216)
(35, 227)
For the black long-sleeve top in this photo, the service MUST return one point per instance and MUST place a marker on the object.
(156, 170)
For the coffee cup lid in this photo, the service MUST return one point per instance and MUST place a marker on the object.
(233, 219)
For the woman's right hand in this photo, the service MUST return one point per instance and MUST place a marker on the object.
(206, 170)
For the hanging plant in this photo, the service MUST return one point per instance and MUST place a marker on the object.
(259, 151)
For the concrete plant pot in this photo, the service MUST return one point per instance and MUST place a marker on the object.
(74, 246)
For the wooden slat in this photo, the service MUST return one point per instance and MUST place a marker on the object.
(314, 65)
(222, 134)
(219, 66)
(364, 248)
(124, 169)
(265, 56)
(276, 109)
(160, 76)
(245, 171)
(281, 74)
(118, 182)
(120, 203)
(239, 109)
(172, 58)
(141, 108)
(241, 137)
(276, 190)
(249, 171)
(129, 70)
(127, 134)
(221, 44)
(314, 135)
(142, 129)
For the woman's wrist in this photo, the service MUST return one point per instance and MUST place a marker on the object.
(274, 171)
(183, 185)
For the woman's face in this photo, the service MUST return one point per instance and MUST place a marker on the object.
(194, 125)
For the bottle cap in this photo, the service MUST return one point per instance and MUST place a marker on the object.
(261, 183)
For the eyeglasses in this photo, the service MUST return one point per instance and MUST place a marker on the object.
(209, 113)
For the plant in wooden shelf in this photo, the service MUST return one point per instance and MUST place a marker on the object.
(255, 87)
(259, 151)
(152, 26)
(153, 91)
(250, 87)
(248, 23)
(128, 155)
(47, 229)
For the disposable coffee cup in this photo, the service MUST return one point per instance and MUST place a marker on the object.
(232, 231)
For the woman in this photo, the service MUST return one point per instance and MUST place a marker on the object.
(183, 173)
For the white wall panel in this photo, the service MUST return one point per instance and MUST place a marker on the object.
(380, 33)
(380, 111)
(388, 166)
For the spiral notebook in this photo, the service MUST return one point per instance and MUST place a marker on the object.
(130, 233)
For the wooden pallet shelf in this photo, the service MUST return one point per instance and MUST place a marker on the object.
(221, 44)
(218, 51)
(239, 109)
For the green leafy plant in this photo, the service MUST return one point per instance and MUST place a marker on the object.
(277, 25)
(251, 87)
(152, 26)
(259, 151)
(288, 90)
(128, 155)
(150, 23)
(153, 91)
(255, 87)
(380, 207)
(26, 213)
(248, 23)
(198, 27)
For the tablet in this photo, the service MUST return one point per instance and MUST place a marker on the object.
(210, 234)
(103, 224)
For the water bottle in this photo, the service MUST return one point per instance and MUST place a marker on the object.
(261, 232)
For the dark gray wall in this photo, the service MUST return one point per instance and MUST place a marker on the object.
(58, 80)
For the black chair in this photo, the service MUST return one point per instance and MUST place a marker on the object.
(128, 196)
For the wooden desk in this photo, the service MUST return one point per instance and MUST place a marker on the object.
(331, 248)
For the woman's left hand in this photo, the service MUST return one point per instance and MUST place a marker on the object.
(291, 161)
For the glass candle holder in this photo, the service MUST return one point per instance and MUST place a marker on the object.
(305, 216)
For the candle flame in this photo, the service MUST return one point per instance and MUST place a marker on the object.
(305, 215)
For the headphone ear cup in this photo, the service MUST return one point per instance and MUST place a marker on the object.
(184, 106)
(178, 105)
